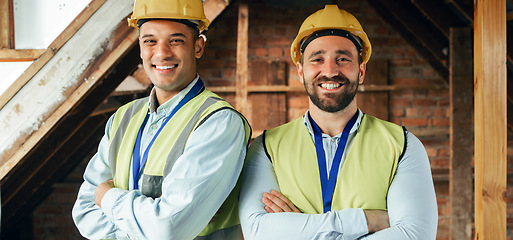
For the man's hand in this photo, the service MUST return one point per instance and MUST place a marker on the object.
(376, 220)
(101, 190)
(276, 202)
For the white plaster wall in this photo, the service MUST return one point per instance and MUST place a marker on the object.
(37, 23)
(24, 113)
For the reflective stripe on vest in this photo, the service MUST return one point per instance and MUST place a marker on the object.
(124, 129)
(364, 177)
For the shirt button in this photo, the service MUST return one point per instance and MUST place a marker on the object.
(332, 140)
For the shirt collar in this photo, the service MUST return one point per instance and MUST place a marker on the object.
(355, 127)
(168, 106)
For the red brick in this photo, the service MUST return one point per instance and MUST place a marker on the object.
(431, 152)
(412, 112)
(423, 102)
(398, 112)
(445, 152)
(406, 81)
(280, 41)
(275, 52)
(261, 52)
(414, 122)
(443, 122)
(400, 102)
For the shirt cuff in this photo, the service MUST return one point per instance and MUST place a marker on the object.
(109, 201)
(354, 223)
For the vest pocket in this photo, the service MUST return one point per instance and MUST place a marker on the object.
(151, 186)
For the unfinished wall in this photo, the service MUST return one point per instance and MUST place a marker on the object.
(271, 30)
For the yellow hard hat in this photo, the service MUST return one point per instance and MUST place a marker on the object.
(169, 9)
(331, 17)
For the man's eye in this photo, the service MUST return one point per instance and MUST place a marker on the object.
(149, 41)
(177, 41)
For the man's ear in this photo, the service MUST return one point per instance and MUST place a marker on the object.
(299, 68)
(363, 68)
(199, 46)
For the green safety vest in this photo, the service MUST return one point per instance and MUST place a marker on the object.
(166, 149)
(363, 179)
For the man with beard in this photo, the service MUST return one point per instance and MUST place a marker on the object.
(336, 173)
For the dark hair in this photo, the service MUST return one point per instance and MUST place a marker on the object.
(192, 26)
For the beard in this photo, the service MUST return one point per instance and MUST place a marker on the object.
(332, 102)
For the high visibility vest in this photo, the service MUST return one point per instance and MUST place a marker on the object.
(166, 149)
(363, 179)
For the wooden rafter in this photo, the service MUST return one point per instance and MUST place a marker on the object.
(51, 51)
(241, 93)
(490, 113)
(64, 130)
(6, 24)
(438, 13)
(14, 55)
(461, 137)
(417, 30)
(214, 7)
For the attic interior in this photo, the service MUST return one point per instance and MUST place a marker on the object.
(421, 76)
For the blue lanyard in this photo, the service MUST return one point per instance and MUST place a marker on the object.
(328, 184)
(136, 161)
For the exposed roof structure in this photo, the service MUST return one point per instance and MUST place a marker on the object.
(55, 110)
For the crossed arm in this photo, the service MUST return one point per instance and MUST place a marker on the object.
(412, 210)
(198, 184)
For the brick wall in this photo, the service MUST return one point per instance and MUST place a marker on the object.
(271, 29)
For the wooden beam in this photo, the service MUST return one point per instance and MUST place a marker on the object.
(65, 126)
(105, 64)
(461, 133)
(51, 51)
(241, 84)
(14, 55)
(5, 23)
(490, 118)
(268, 109)
(214, 7)
(463, 9)
(375, 103)
(440, 14)
(417, 31)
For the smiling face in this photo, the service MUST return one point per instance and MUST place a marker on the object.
(169, 51)
(331, 73)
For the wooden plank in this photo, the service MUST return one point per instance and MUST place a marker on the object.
(14, 55)
(413, 28)
(461, 133)
(241, 84)
(213, 8)
(490, 118)
(5, 24)
(50, 52)
(268, 109)
(105, 64)
(423, 29)
(440, 14)
(375, 103)
(105, 74)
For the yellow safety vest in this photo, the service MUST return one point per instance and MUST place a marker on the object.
(168, 146)
(363, 179)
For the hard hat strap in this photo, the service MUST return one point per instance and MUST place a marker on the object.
(332, 32)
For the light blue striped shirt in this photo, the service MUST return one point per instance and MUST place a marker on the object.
(199, 182)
